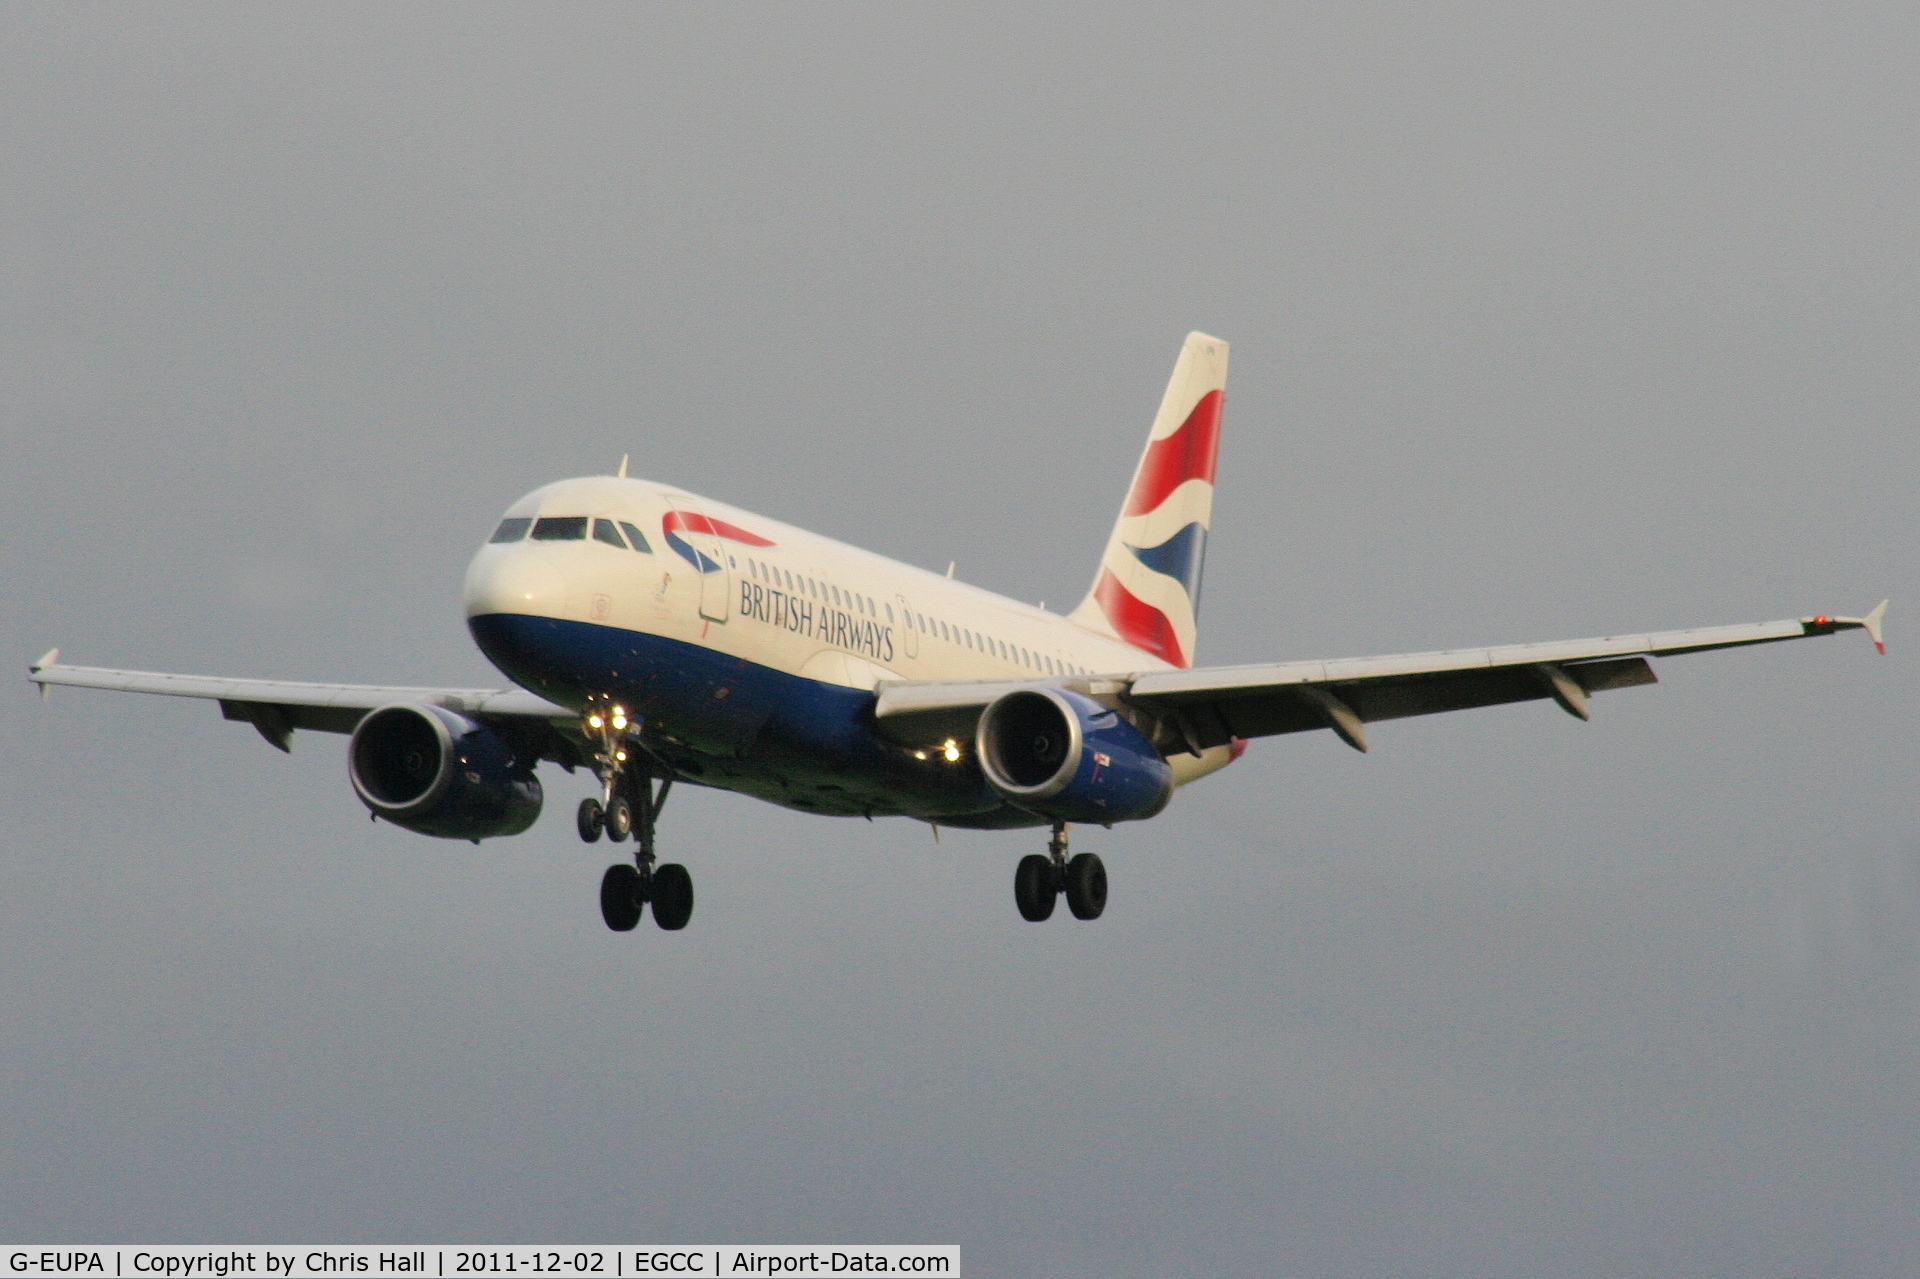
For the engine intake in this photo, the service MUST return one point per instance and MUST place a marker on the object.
(1067, 757)
(438, 773)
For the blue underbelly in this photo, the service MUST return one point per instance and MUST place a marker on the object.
(737, 725)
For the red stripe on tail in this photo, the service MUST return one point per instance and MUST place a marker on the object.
(1187, 454)
(1138, 622)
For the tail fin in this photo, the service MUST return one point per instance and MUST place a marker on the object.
(1147, 591)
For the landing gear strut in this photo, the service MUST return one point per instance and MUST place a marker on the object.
(626, 889)
(630, 805)
(1039, 880)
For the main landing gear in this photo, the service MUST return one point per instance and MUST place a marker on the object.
(630, 805)
(1039, 880)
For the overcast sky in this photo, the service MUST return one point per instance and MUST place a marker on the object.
(1543, 326)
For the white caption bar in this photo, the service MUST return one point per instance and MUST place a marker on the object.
(569, 1261)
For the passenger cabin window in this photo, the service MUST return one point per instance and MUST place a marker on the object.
(634, 539)
(560, 528)
(604, 531)
(511, 530)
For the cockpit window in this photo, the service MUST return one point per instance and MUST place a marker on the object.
(604, 531)
(633, 536)
(510, 530)
(560, 528)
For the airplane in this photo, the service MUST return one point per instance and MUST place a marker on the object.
(657, 637)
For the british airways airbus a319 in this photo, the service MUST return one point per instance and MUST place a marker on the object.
(660, 638)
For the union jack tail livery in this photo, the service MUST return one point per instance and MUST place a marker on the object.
(1147, 592)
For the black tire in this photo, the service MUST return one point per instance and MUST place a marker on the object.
(1033, 888)
(620, 897)
(1086, 886)
(619, 819)
(672, 896)
(587, 820)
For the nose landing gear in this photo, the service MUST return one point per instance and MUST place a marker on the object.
(1038, 881)
(626, 890)
(630, 805)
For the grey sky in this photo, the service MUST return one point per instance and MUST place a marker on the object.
(1544, 326)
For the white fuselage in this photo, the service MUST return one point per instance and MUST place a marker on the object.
(805, 605)
(745, 641)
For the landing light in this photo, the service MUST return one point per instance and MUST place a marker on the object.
(619, 720)
(594, 721)
(620, 755)
(952, 751)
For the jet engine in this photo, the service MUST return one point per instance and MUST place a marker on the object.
(438, 773)
(1067, 757)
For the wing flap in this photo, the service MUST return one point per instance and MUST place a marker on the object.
(1218, 704)
(345, 697)
(277, 707)
(1210, 706)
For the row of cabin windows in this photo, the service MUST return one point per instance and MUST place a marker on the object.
(800, 584)
(570, 528)
(575, 528)
(776, 576)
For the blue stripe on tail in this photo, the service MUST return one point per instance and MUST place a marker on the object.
(1179, 557)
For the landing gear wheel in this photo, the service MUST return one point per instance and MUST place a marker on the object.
(1033, 887)
(672, 896)
(588, 820)
(1086, 886)
(619, 819)
(620, 897)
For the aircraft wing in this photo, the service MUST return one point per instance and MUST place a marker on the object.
(277, 707)
(1211, 706)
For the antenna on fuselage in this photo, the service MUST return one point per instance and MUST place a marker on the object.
(623, 466)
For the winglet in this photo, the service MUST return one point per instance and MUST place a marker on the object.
(1824, 625)
(1872, 623)
(47, 659)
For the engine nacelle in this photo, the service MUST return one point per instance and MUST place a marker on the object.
(438, 773)
(1067, 757)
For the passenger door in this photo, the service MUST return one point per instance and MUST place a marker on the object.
(907, 619)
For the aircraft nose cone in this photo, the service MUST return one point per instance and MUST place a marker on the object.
(514, 579)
